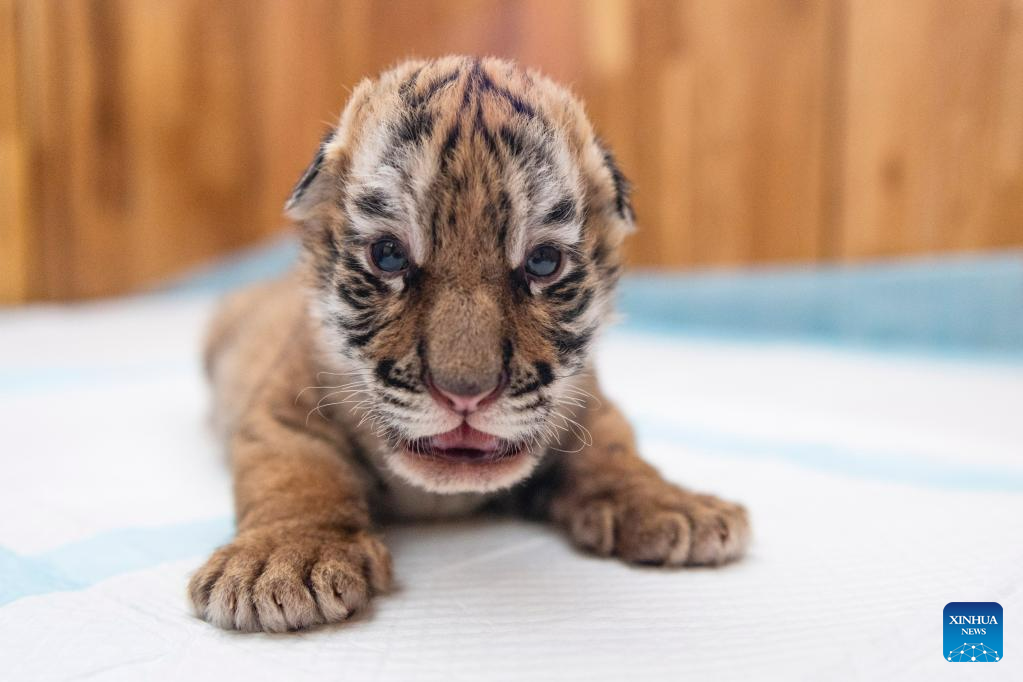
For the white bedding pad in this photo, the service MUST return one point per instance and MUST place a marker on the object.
(881, 487)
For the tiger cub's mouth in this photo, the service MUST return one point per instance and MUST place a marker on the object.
(464, 460)
(465, 444)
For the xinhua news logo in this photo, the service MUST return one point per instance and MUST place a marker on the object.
(973, 632)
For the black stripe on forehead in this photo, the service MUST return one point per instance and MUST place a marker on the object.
(504, 209)
(414, 126)
(481, 129)
(512, 140)
(561, 212)
(407, 88)
(482, 82)
(374, 204)
(434, 220)
(416, 122)
(534, 154)
(448, 148)
(413, 98)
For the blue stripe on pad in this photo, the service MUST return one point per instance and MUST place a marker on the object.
(78, 565)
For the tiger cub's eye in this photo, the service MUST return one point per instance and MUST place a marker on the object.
(389, 255)
(543, 261)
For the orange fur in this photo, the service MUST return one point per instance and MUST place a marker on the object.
(320, 379)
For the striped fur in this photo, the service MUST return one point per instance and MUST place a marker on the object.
(319, 378)
(471, 163)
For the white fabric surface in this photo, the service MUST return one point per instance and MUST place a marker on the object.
(880, 487)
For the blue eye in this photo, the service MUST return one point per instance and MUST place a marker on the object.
(543, 261)
(389, 255)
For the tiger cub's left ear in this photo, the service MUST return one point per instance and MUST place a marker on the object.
(313, 185)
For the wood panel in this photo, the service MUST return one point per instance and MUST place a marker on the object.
(13, 221)
(138, 137)
(729, 103)
(933, 142)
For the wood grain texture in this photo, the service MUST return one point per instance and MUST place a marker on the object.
(139, 137)
(14, 255)
(934, 127)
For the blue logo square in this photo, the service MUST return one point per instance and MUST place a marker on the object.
(973, 632)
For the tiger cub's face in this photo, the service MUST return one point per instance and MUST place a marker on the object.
(462, 225)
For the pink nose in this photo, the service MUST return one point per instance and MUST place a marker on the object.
(461, 403)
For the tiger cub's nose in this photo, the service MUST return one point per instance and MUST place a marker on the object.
(464, 397)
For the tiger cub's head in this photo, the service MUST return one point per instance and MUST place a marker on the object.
(462, 225)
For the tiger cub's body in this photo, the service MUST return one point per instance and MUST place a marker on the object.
(430, 355)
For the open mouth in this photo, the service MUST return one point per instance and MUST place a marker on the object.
(465, 444)
(463, 460)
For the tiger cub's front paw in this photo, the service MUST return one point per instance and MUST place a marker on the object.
(289, 579)
(653, 522)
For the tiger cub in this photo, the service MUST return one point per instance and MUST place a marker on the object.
(430, 355)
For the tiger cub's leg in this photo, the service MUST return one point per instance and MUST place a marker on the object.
(304, 552)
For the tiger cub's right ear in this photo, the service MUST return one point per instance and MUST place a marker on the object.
(311, 187)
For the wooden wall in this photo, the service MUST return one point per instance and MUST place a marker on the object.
(138, 137)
